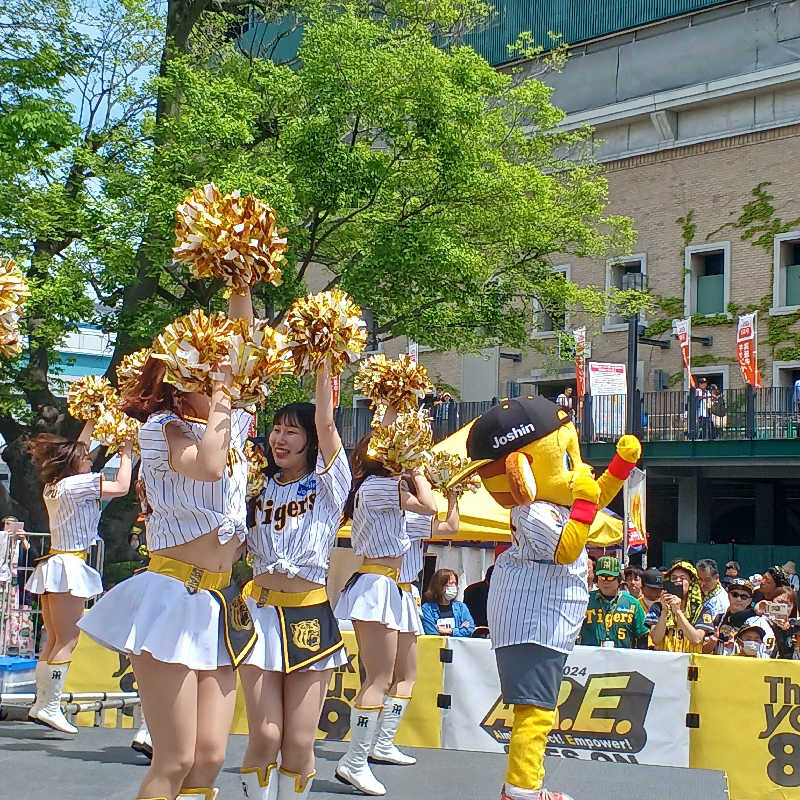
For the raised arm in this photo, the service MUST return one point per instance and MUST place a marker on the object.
(85, 436)
(205, 461)
(422, 501)
(328, 436)
(120, 486)
(241, 305)
(448, 527)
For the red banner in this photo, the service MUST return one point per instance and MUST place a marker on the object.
(336, 385)
(747, 349)
(683, 330)
(580, 364)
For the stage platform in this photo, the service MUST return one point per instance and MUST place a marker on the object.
(98, 764)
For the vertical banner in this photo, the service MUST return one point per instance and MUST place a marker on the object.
(683, 330)
(635, 496)
(747, 349)
(336, 388)
(580, 364)
(413, 351)
(608, 386)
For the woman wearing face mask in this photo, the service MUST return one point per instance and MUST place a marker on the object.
(72, 495)
(372, 599)
(442, 614)
(181, 621)
(293, 527)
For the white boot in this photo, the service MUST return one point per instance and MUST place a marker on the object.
(198, 794)
(42, 675)
(260, 784)
(50, 713)
(383, 748)
(352, 767)
(142, 743)
(291, 785)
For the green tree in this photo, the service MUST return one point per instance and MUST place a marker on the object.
(410, 173)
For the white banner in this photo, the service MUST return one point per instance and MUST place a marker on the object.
(635, 501)
(608, 386)
(625, 706)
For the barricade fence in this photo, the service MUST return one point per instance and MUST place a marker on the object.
(737, 715)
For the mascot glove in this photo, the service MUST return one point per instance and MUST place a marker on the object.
(585, 487)
(629, 450)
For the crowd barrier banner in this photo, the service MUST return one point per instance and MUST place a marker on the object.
(748, 717)
(96, 669)
(614, 705)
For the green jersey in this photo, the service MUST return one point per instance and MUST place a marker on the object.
(619, 620)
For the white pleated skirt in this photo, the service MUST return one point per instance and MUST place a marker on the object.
(372, 598)
(410, 621)
(65, 573)
(154, 613)
(267, 653)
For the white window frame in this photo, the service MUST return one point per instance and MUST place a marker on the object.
(608, 326)
(689, 298)
(779, 306)
(710, 369)
(566, 270)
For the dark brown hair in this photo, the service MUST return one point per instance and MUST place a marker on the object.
(435, 591)
(56, 457)
(361, 467)
(152, 394)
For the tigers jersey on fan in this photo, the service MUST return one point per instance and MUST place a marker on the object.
(296, 523)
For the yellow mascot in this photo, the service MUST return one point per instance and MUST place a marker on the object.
(527, 453)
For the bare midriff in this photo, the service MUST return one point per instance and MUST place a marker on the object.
(281, 582)
(206, 552)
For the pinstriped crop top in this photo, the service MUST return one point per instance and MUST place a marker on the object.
(184, 509)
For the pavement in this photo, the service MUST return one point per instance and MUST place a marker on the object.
(38, 764)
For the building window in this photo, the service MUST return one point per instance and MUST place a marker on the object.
(550, 318)
(786, 273)
(708, 277)
(623, 274)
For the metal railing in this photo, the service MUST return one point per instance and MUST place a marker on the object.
(666, 416)
(21, 628)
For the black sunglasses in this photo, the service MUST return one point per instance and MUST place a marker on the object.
(740, 595)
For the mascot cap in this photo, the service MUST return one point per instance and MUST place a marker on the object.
(509, 426)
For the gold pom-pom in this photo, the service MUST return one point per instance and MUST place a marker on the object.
(88, 397)
(256, 464)
(398, 383)
(324, 328)
(405, 444)
(443, 466)
(190, 347)
(113, 429)
(258, 357)
(14, 290)
(129, 370)
(230, 237)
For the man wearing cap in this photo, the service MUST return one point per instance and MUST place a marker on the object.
(739, 614)
(527, 453)
(613, 618)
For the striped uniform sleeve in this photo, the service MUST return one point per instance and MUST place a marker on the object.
(241, 420)
(153, 441)
(705, 622)
(418, 526)
(334, 480)
(537, 530)
(380, 494)
(86, 486)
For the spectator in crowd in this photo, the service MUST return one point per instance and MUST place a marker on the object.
(613, 617)
(713, 594)
(633, 583)
(684, 620)
(791, 572)
(772, 581)
(475, 597)
(719, 414)
(780, 622)
(652, 586)
(750, 642)
(740, 613)
(590, 562)
(732, 569)
(566, 401)
(703, 399)
(442, 614)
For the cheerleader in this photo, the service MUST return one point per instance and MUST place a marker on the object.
(372, 598)
(181, 621)
(418, 527)
(72, 495)
(285, 679)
